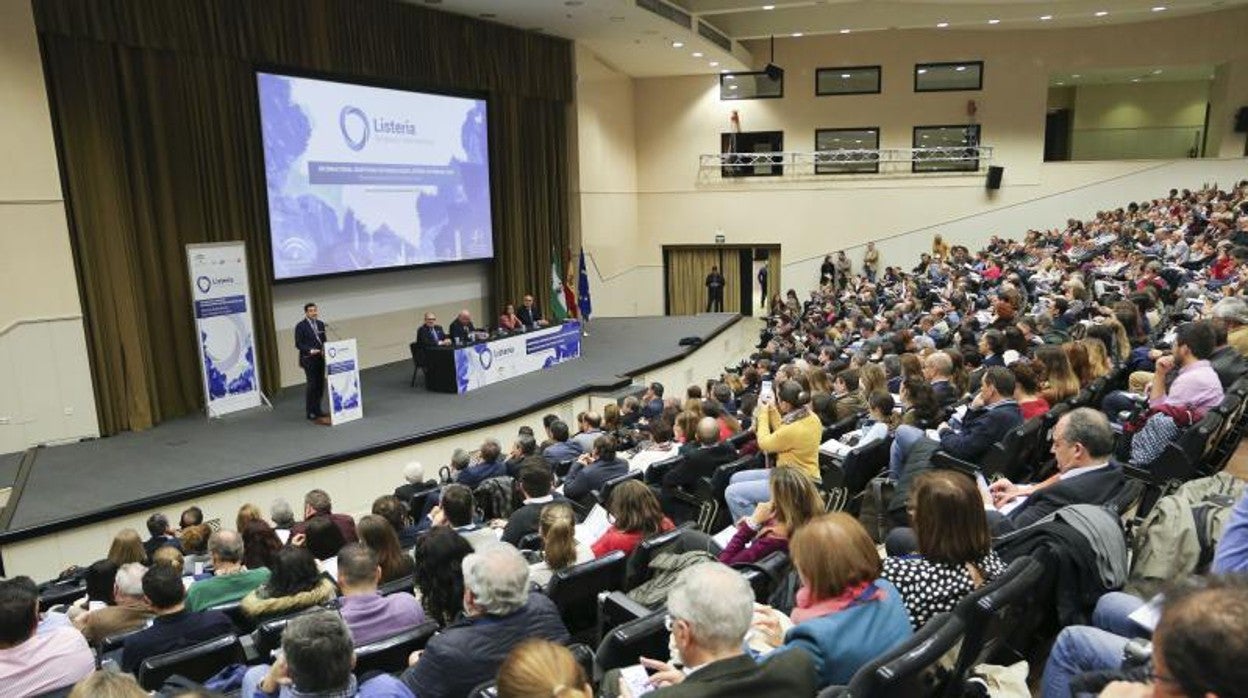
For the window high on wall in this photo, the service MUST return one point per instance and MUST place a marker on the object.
(750, 86)
(953, 148)
(847, 150)
(850, 80)
(949, 77)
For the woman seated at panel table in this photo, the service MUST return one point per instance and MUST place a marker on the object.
(509, 321)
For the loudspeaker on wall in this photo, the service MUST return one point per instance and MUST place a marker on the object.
(995, 173)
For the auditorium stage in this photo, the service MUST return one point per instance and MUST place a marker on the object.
(91, 481)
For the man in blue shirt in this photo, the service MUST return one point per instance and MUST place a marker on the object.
(490, 465)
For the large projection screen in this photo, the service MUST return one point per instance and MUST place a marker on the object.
(364, 178)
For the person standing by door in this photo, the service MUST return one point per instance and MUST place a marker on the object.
(310, 341)
(762, 285)
(715, 291)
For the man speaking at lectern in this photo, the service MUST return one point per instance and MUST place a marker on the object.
(310, 341)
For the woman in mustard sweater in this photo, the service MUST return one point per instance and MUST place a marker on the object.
(787, 430)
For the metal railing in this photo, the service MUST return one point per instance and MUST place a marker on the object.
(864, 161)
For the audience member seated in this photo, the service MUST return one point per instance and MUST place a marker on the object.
(937, 371)
(174, 626)
(523, 447)
(560, 548)
(130, 612)
(846, 399)
(652, 401)
(846, 614)
(171, 556)
(414, 482)
(317, 504)
(457, 512)
(108, 684)
(701, 462)
(589, 426)
(560, 450)
(316, 660)
(540, 668)
(709, 610)
(162, 534)
(322, 538)
(500, 613)
(260, 545)
(535, 487)
(661, 447)
(395, 512)
(992, 414)
(786, 429)
(231, 579)
(194, 539)
(439, 576)
(379, 536)
(953, 545)
(592, 470)
(100, 576)
(246, 514)
(1026, 391)
(921, 408)
(1059, 382)
(794, 501)
(1225, 361)
(33, 663)
(368, 614)
(637, 516)
(283, 518)
(1083, 442)
(490, 465)
(294, 584)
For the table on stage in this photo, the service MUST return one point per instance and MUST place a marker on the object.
(468, 367)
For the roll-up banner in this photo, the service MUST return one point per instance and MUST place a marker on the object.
(221, 302)
(343, 368)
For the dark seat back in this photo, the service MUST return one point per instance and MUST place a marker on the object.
(861, 465)
(112, 643)
(604, 495)
(390, 654)
(268, 634)
(740, 439)
(485, 690)
(627, 643)
(990, 616)
(722, 476)
(766, 574)
(638, 565)
(575, 589)
(418, 360)
(197, 662)
(654, 474)
(911, 668)
(234, 610)
(402, 585)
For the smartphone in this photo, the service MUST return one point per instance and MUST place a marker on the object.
(765, 395)
(636, 678)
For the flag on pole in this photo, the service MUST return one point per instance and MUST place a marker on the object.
(584, 302)
(569, 285)
(558, 302)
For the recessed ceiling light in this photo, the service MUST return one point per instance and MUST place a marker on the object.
(844, 31)
(1157, 72)
(922, 70)
(960, 68)
(941, 25)
(1061, 83)
(844, 76)
(1076, 75)
(730, 77)
(1159, 8)
(732, 87)
(725, 71)
(697, 54)
(714, 64)
(678, 44)
(796, 34)
(1135, 79)
(994, 21)
(1101, 13)
(769, 7)
(1045, 18)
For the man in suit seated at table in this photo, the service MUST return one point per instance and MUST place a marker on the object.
(530, 314)
(710, 609)
(431, 333)
(462, 329)
(594, 469)
(1083, 442)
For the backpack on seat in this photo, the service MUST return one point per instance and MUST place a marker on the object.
(1182, 531)
(494, 498)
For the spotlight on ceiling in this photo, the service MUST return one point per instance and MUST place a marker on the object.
(774, 72)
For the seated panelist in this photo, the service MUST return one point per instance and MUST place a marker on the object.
(462, 329)
(509, 321)
(431, 334)
(530, 314)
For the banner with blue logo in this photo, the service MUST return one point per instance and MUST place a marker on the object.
(343, 380)
(499, 359)
(221, 301)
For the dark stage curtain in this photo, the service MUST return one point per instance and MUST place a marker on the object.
(154, 107)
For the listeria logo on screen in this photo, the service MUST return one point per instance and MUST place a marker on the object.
(357, 127)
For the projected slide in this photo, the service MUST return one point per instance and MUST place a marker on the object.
(365, 178)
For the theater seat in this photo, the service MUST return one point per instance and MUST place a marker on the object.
(911, 669)
(390, 654)
(626, 644)
(485, 690)
(638, 566)
(991, 616)
(268, 634)
(604, 495)
(402, 585)
(197, 662)
(575, 592)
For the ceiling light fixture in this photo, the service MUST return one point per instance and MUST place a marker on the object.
(994, 21)
(941, 25)
(1061, 83)
(697, 54)
(1157, 72)
(1076, 75)
(1159, 8)
(769, 7)
(922, 70)
(796, 34)
(1102, 13)
(732, 87)
(960, 68)
(726, 71)
(678, 44)
(844, 31)
(1135, 79)
(714, 64)
(1045, 18)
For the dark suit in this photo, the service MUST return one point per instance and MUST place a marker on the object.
(173, 632)
(310, 337)
(561, 451)
(529, 317)
(993, 360)
(462, 331)
(946, 394)
(1096, 487)
(430, 336)
(583, 479)
(652, 409)
(524, 520)
(981, 429)
(784, 673)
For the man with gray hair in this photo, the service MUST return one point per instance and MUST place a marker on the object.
(230, 580)
(316, 503)
(709, 611)
(490, 465)
(499, 613)
(130, 612)
(413, 482)
(1233, 310)
(317, 659)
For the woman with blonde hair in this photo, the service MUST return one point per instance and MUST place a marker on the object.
(871, 380)
(108, 684)
(1080, 361)
(542, 669)
(126, 547)
(560, 548)
(1098, 358)
(794, 501)
(247, 512)
(611, 418)
(818, 380)
(1060, 381)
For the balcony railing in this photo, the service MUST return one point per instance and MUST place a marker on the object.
(884, 162)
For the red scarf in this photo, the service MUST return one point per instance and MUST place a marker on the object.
(808, 608)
